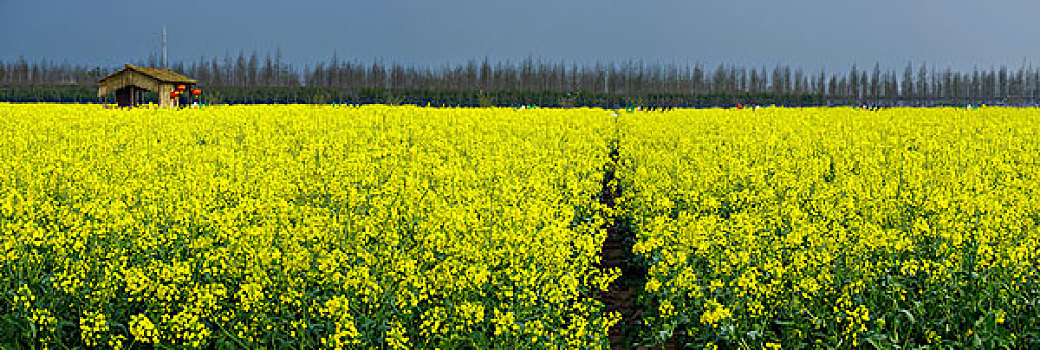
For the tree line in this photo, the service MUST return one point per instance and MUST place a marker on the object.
(482, 82)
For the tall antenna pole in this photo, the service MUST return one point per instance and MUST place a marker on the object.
(164, 46)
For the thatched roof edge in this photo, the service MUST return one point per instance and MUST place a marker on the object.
(162, 75)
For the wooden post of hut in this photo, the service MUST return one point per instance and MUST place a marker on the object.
(130, 83)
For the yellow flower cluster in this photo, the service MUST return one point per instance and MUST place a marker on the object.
(834, 226)
(316, 226)
(345, 334)
(143, 330)
(93, 326)
(713, 312)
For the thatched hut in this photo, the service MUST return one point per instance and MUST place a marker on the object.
(130, 83)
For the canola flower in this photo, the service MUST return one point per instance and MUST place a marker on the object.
(302, 226)
(407, 227)
(837, 228)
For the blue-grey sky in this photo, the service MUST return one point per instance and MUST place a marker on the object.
(814, 34)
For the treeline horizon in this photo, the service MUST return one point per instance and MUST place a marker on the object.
(482, 82)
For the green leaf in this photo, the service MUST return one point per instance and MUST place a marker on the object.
(909, 315)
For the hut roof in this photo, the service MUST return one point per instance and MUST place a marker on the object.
(162, 75)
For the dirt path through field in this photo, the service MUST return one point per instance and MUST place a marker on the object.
(622, 295)
(616, 252)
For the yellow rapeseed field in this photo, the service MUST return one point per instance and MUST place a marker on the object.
(301, 226)
(837, 228)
